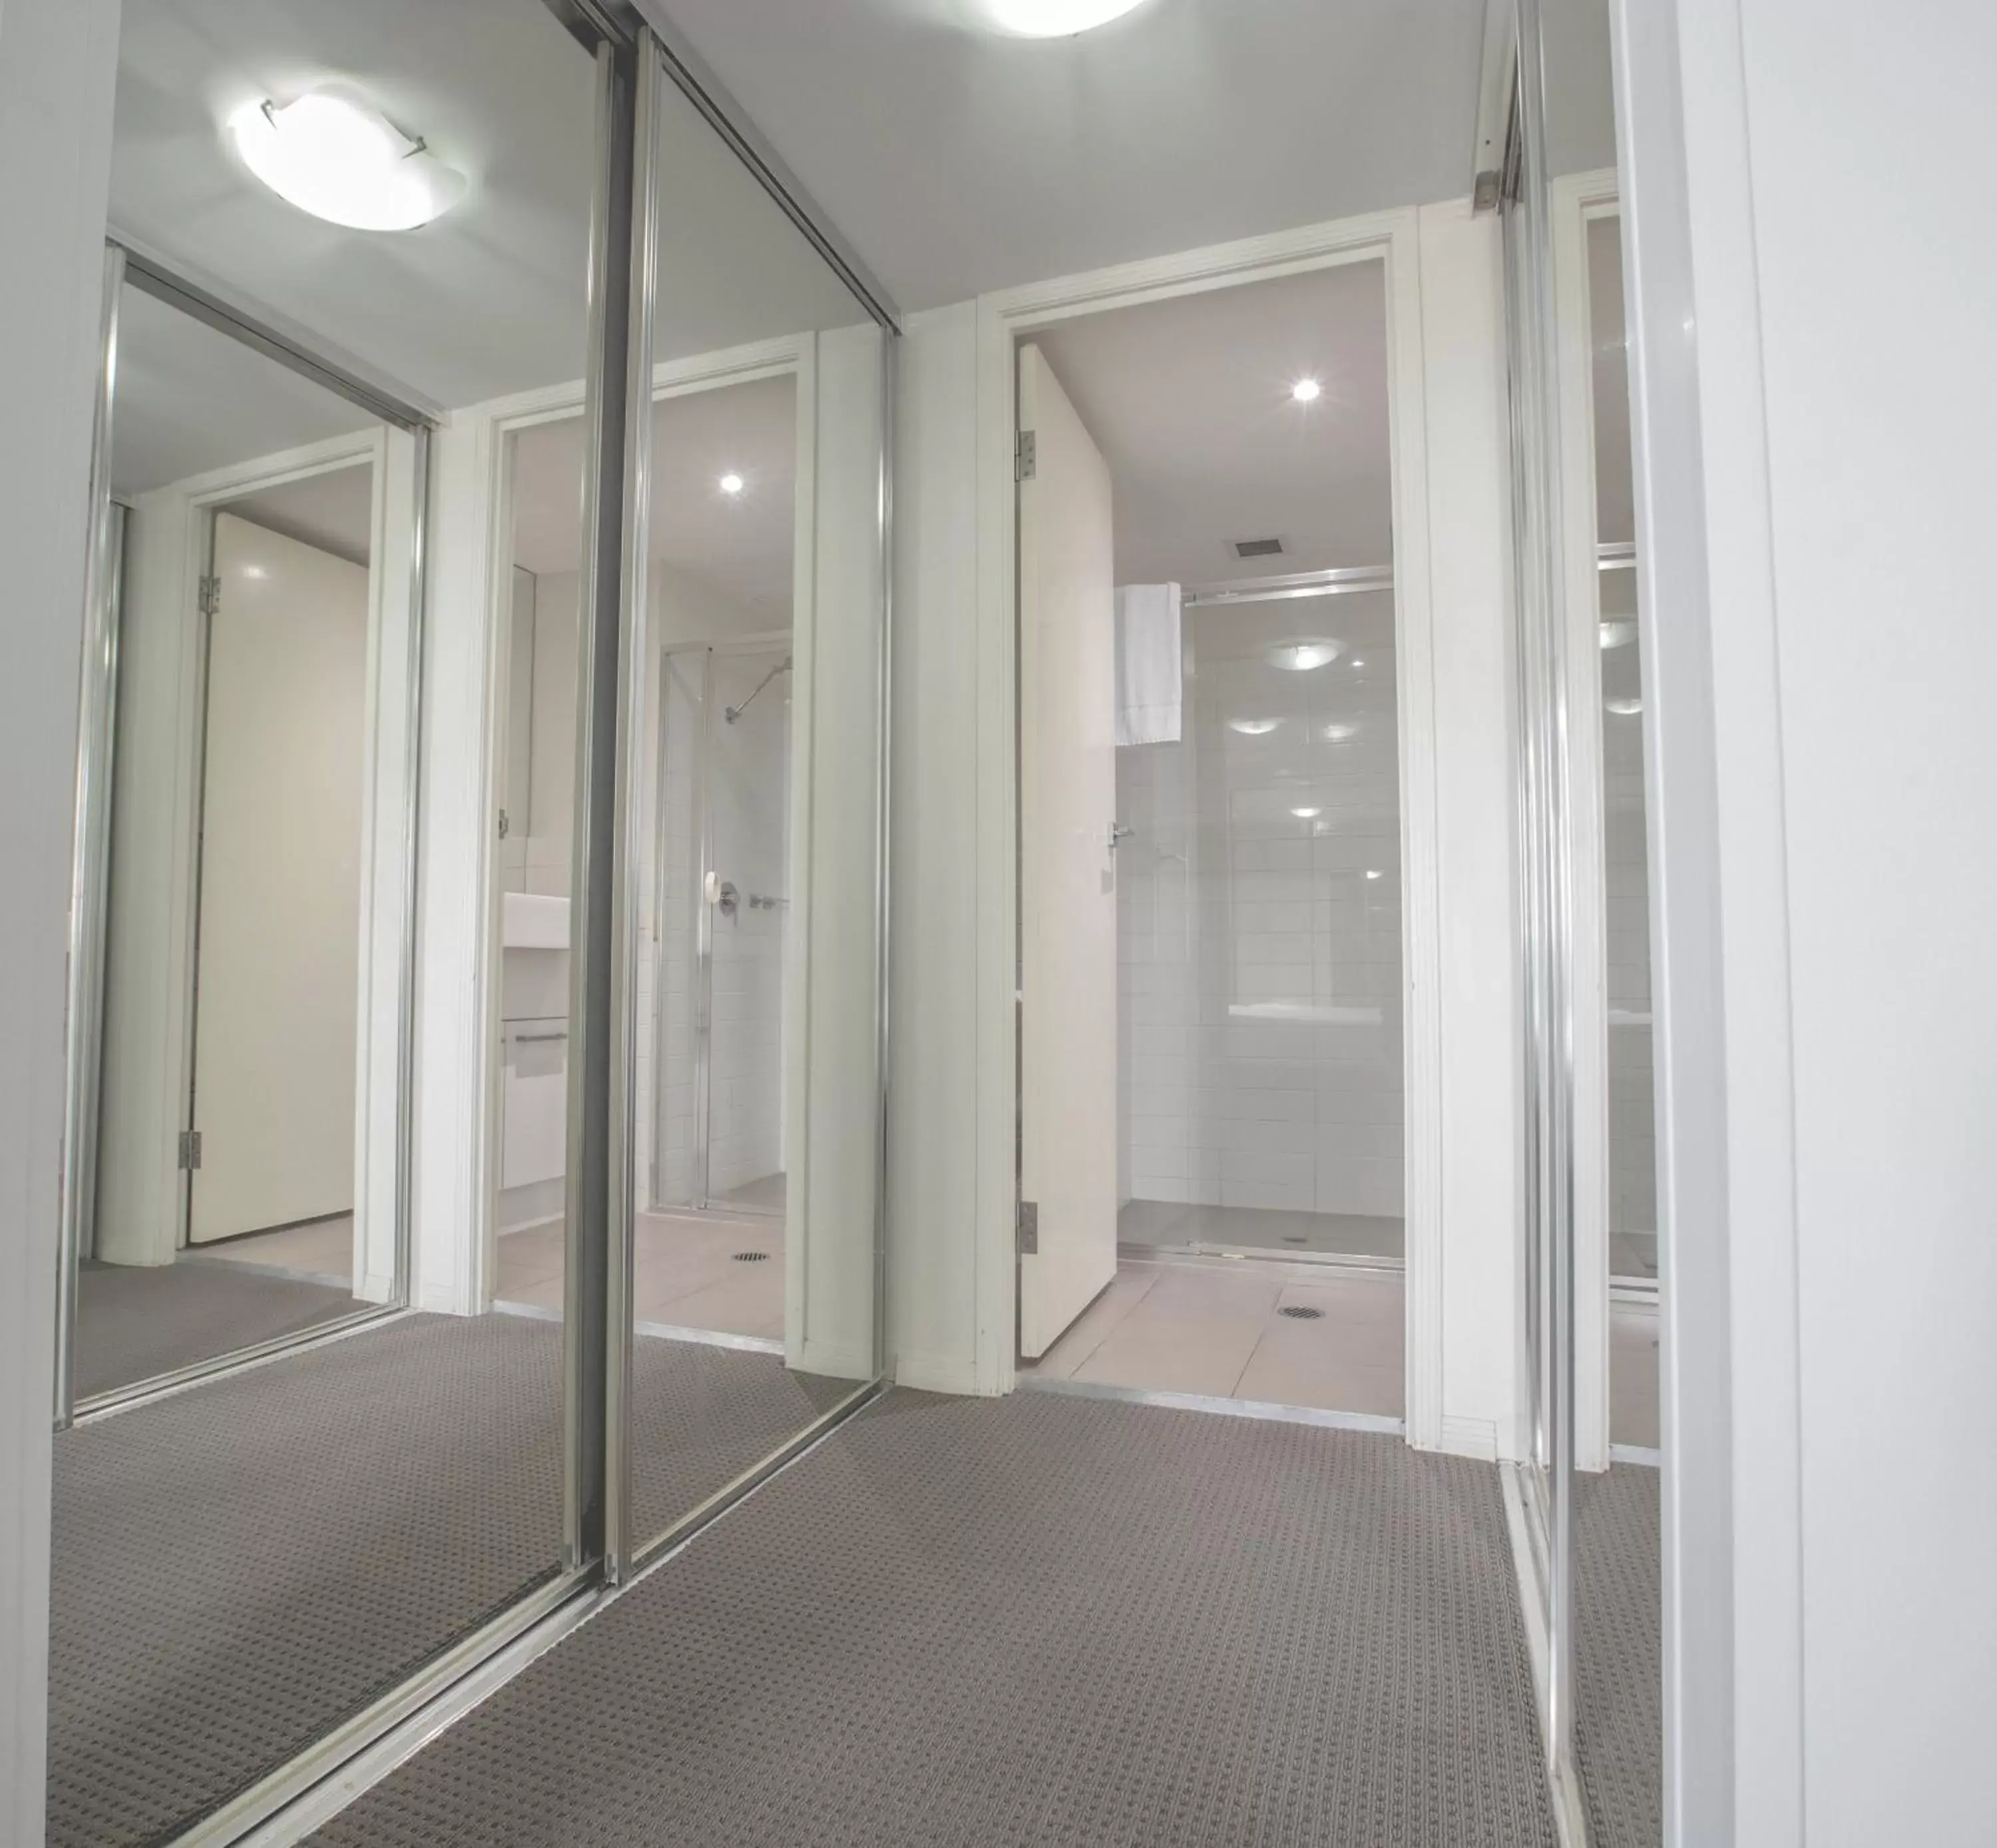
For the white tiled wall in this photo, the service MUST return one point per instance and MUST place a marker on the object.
(1261, 948)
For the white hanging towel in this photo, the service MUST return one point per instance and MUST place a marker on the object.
(1149, 675)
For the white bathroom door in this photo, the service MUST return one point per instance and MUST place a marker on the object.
(1068, 869)
(276, 1039)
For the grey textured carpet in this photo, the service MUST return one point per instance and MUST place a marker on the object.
(238, 1568)
(1037, 1622)
(135, 1322)
(1619, 1656)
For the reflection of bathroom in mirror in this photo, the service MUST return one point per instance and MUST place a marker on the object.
(714, 898)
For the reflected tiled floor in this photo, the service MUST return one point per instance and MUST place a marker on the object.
(687, 1273)
(322, 1251)
(1633, 1375)
(1217, 1329)
(1260, 1228)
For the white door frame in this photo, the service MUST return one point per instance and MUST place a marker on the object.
(1389, 238)
(461, 1266)
(164, 567)
(1575, 200)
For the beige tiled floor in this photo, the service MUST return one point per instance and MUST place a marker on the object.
(324, 1249)
(1632, 1376)
(1215, 1328)
(685, 1274)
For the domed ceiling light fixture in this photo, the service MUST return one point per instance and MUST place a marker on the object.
(1053, 19)
(333, 154)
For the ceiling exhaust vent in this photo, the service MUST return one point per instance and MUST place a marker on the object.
(1257, 548)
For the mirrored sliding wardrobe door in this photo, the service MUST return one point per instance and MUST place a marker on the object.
(358, 1484)
(1595, 1265)
(755, 842)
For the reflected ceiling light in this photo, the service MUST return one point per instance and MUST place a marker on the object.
(1300, 657)
(1617, 633)
(333, 154)
(1053, 19)
(1372, 873)
(1305, 391)
(1337, 732)
(1251, 728)
(1307, 815)
(1624, 708)
(731, 484)
(1356, 662)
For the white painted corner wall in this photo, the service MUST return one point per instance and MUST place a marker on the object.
(948, 1317)
(1814, 386)
(58, 68)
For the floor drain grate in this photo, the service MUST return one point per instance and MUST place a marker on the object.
(1297, 1313)
(751, 1257)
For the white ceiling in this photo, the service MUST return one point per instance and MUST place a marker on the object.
(334, 511)
(743, 544)
(188, 400)
(1189, 400)
(956, 160)
(488, 299)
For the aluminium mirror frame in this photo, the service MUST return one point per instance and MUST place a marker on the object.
(1546, 885)
(667, 65)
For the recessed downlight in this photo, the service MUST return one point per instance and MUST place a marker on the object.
(1306, 390)
(1300, 657)
(1252, 728)
(731, 484)
(332, 152)
(1373, 873)
(1338, 732)
(1307, 815)
(1053, 19)
(1624, 708)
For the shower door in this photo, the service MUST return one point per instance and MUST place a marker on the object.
(724, 898)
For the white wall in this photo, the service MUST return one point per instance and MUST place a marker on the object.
(57, 66)
(934, 1301)
(1469, 528)
(939, 1308)
(1814, 499)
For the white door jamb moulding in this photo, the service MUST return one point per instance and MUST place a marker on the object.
(1390, 239)
(1576, 199)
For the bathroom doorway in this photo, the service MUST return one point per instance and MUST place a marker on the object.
(1215, 1155)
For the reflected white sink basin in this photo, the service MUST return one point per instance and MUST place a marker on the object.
(532, 921)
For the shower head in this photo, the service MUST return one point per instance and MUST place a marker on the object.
(732, 713)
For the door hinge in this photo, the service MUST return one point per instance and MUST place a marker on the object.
(211, 595)
(1030, 1229)
(190, 1149)
(1026, 457)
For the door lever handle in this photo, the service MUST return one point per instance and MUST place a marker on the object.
(1119, 833)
